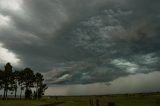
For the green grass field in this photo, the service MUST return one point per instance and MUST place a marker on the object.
(119, 100)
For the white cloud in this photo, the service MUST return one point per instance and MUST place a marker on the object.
(8, 56)
(14, 5)
(62, 78)
(124, 64)
(4, 20)
(150, 58)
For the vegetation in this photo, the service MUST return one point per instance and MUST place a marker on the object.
(25, 79)
(119, 100)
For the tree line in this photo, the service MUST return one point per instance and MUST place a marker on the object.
(26, 80)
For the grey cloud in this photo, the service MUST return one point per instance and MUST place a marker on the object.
(106, 36)
(89, 37)
(129, 84)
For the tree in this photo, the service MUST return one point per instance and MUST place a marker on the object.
(25, 79)
(28, 94)
(28, 78)
(38, 81)
(41, 90)
(21, 82)
(1, 79)
(15, 82)
(7, 79)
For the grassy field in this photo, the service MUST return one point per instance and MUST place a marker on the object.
(119, 100)
(25, 102)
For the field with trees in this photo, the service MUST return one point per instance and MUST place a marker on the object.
(32, 88)
(110, 100)
(25, 80)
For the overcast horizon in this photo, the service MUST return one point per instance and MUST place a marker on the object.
(84, 47)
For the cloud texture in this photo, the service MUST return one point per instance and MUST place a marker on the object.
(82, 42)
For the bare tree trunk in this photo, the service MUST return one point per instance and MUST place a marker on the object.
(4, 94)
(37, 91)
(21, 94)
(15, 94)
(5, 91)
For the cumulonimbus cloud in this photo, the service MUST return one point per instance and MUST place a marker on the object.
(88, 41)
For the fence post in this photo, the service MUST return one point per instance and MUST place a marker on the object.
(91, 102)
(111, 104)
(97, 102)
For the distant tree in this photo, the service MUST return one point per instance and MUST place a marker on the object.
(38, 81)
(21, 82)
(39, 85)
(7, 79)
(28, 94)
(15, 82)
(34, 95)
(28, 78)
(22, 88)
(1, 79)
(41, 90)
(25, 79)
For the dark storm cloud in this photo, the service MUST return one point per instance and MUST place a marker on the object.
(85, 41)
(41, 27)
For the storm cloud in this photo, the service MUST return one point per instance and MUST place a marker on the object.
(81, 42)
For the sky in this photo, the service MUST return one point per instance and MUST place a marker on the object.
(84, 47)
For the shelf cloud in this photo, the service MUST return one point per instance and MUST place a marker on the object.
(81, 42)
